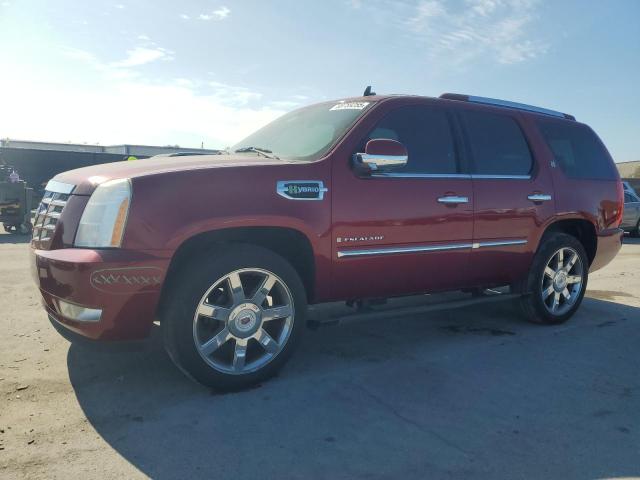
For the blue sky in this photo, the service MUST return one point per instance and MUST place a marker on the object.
(166, 72)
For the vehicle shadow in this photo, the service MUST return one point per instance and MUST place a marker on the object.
(473, 392)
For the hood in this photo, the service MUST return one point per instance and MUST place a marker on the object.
(86, 179)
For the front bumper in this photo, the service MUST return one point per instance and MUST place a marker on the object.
(609, 244)
(123, 285)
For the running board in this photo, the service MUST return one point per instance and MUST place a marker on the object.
(394, 308)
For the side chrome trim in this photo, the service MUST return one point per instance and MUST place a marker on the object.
(393, 250)
(499, 243)
(462, 176)
(500, 177)
(421, 175)
(427, 248)
(539, 197)
(453, 199)
(59, 187)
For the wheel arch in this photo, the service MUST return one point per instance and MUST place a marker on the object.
(291, 244)
(582, 229)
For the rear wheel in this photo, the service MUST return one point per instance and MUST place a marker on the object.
(557, 280)
(234, 317)
(635, 232)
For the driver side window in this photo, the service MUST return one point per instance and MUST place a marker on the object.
(427, 135)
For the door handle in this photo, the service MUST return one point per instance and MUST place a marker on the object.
(539, 197)
(453, 200)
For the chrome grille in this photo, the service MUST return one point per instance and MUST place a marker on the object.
(47, 217)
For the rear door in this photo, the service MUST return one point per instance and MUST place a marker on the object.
(398, 233)
(513, 194)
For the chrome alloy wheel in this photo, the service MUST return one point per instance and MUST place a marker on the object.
(562, 281)
(243, 321)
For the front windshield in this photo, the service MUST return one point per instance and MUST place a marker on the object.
(307, 133)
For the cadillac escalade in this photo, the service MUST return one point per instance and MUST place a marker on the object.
(363, 198)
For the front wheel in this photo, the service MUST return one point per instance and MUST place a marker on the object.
(234, 316)
(557, 280)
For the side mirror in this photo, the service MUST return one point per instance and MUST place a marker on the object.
(380, 155)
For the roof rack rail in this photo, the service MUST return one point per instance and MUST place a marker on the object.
(505, 103)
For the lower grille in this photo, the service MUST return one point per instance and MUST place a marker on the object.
(47, 216)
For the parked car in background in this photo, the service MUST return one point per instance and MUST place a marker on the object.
(628, 187)
(362, 198)
(631, 217)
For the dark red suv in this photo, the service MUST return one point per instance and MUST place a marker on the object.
(364, 198)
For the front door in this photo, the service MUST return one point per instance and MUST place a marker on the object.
(409, 230)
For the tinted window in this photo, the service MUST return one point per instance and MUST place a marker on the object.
(497, 144)
(628, 198)
(426, 133)
(577, 150)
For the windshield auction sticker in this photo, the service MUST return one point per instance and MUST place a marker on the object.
(350, 106)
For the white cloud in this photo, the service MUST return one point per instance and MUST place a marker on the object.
(497, 29)
(233, 95)
(184, 16)
(501, 31)
(142, 55)
(119, 6)
(143, 37)
(219, 14)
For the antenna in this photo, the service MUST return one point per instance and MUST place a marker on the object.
(368, 92)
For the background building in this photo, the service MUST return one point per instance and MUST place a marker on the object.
(629, 169)
(37, 162)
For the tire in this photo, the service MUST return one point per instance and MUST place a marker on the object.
(635, 232)
(545, 300)
(224, 345)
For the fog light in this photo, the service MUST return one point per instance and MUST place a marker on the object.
(78, 312)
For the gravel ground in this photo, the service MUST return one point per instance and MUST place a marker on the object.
(466, 393)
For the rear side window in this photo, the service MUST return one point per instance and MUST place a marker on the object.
(426, 133)
(497, 144)
(577, 150)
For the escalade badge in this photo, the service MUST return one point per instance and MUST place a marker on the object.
(360, 238)
(301, 189)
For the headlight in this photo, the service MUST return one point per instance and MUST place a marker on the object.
(104, 218)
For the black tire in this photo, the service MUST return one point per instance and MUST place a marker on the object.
(635, 233)
(532, 304)
(193, 281)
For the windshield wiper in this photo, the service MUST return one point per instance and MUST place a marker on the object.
(260, 151)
